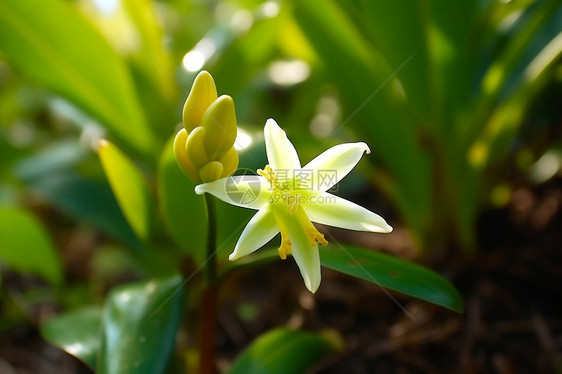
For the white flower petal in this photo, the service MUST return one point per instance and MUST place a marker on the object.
(335, 163)
(246, 191)
(281, 153)
(308, 261)
(306, 256)
(332, 210)
(260, 230)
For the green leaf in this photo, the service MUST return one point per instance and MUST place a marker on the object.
(25, 245)
(183, 211)
(139, 326)
(130, 188)
(393, 273)
(76, 332)
(50, 43)
(284, 351)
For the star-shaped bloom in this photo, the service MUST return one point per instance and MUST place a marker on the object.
(289, 197)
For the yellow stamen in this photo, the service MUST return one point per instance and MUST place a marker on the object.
(314, 237)
(269, 174)
(285, 247)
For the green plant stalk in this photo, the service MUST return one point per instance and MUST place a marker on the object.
(209, 298)
(210, 259)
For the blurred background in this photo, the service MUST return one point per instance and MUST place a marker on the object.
(460, 103)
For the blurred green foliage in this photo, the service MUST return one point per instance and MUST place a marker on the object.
(438, 89)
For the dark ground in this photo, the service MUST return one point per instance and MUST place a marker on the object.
(512, 323)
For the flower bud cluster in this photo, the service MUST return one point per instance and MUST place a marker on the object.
(204, 148)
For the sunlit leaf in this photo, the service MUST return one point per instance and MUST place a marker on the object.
(284, 351)
(139, 326)
(25, 245)
(49, 42)
(76, 332)
(393, 273)
(130, 188)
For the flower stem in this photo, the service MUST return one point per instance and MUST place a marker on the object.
(211, 262)
(209, 298)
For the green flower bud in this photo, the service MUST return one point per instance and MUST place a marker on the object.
(203, 94)
(204, 149)
(211, 172)
(181, 156)
(229, 162)
(195, 149)
(220, 122)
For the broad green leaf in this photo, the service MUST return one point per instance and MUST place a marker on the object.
(76, 332)
(393, 273)
(25, 245)
(183, 211)
(50, 43)
(130, 188)
(284, 351)
(139, 326)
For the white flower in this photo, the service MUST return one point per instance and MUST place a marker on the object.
(289, 197)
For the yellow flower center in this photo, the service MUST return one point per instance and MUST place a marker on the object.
(289, 214)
